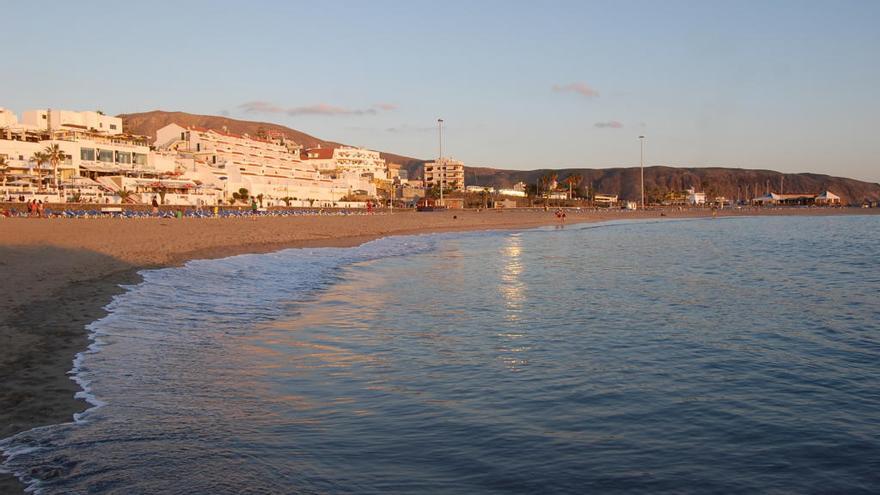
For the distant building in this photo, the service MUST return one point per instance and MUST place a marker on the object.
(798, 199)
(346, 158)
(479, 189)
(517, 191)
(605, 199)
(66, 120)
(271, 167)
(446, 171)
(7, 118)
(828, 198)
(394, 172)
(696, 198)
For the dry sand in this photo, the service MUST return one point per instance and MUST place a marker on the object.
(58, 274)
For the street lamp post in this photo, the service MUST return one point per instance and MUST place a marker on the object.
(440, 159)
(642, 166)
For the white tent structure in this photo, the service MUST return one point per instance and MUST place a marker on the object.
(827, 198)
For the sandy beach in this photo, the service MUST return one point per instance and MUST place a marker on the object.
(60, 273)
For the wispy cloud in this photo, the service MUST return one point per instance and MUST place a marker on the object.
(385, 106)
(317, 109)
(580, 88)
(611, 124)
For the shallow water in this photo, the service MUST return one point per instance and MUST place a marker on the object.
(729, 355)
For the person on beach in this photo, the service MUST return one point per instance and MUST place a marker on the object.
(155, 207)
(41, 210)
(253, 206)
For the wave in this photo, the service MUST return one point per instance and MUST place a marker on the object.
(240, 290)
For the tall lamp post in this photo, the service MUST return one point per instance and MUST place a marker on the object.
(642, 166)
(440, 159)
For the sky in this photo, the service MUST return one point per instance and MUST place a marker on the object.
(783, 85)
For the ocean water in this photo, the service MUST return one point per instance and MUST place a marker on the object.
(703, 356)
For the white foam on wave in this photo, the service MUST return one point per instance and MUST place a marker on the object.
(322, 262)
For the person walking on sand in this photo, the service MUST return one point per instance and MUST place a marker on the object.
(155, 207)
(253, 206)
(41, 211)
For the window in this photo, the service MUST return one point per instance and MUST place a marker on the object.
(105, 156)
(113, 126)
(140, 159)
(123, 157)
(87, 154)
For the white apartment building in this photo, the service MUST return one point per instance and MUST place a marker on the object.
(272, 168)
(354, 169)
(696, 198)
(346, 158)
(605, 199)
(445, 171)
(61, 120)
(7, 118)
(97, 164)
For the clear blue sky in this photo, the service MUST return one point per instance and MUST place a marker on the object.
(786, 85)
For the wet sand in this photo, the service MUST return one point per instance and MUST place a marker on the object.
(58, 274)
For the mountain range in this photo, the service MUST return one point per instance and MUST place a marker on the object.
(732, 183)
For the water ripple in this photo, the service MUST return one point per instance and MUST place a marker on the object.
(733, 356)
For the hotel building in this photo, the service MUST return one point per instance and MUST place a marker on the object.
(273, 168)
(346, 158)
(445, 171)
(61, 120)
(97, 162)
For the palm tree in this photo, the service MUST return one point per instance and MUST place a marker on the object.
(40, 158)
(55, 155)
(124, 195)
(547, 182)
(3, 168)
(572, 180)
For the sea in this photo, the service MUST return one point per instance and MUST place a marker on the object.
(728, 355)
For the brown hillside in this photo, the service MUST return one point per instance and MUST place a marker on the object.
(147, 123)
(730, 182)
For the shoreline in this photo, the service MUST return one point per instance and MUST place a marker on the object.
(64, 277)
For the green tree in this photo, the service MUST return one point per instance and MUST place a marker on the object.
(162, 192)
(124, 194)
(55, 155)
(241, 195)
(573, 181)
(40, 158)
(3, 167)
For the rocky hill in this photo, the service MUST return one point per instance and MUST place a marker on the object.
(147, 123)
(732, 183)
